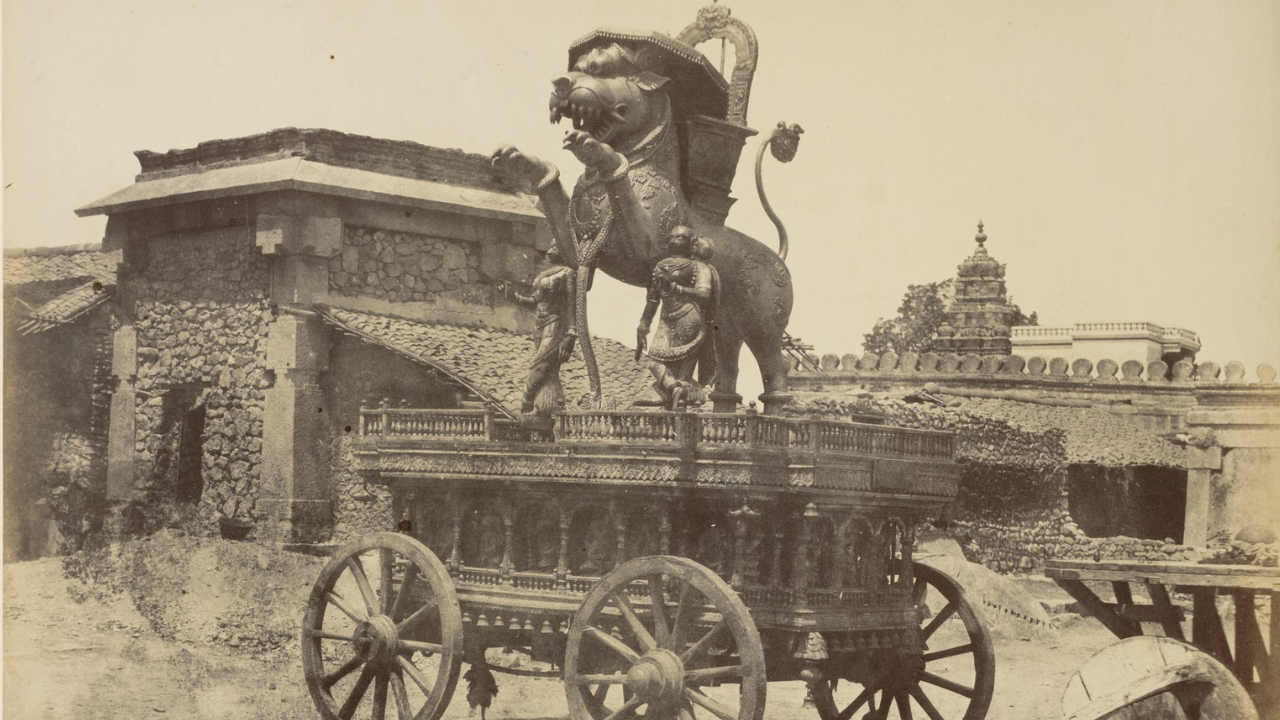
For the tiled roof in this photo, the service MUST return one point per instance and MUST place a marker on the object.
(72, 262)
(67, 307)
(492, 362)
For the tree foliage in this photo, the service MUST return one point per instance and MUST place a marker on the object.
(922, 312)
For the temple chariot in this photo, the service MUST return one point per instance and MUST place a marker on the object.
(666, 561)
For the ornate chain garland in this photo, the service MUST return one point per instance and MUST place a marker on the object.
(586, 257)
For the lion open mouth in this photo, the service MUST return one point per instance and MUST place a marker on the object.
(587, 114)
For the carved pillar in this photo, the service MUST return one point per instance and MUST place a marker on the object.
(742, 518)
(562, 563)
(620, 525)
(455, 552)
(664, 529)
(508, 542)
(775, 569)
(908, 547)
(803, 563)
(839, 559)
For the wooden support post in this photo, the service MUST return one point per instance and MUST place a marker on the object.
(1206, 626)
(1168, 613)
(1103, 612)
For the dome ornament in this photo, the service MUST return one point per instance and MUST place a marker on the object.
(981, 237)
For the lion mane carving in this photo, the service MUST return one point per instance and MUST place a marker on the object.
(633, 101)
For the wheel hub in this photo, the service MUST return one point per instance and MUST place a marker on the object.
(657, 678)
(377, 638)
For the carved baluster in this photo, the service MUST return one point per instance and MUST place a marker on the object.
(562, 562)
(803, 563)
(742, 517)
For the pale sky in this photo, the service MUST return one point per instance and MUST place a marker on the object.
(1124, 154)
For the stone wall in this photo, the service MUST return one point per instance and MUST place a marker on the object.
(201, 314)
(57, 398)
(1012, 511)
(402, 266)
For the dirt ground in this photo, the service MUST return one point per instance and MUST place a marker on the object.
(175, 627)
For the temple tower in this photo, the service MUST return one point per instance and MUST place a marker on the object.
(980, 316)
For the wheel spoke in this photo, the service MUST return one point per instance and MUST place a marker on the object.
(384, 579)
(685, 712)
(716, 708)
(919, 591)
(867, 695)
(403, 711)
(704, 643)
(344, 670)
(626, 708)
(599, 679)
(353, 700)
(633, 621)
(325, 635)
(362, 582)
(612, 643)
(598, 695)
(702, 675)
(946, 684)
(336, 601)
(402, 597)
(658, 601)
(683, 609)
(904, 705)
(414, 674)
(943, 615)
(380, 697)
(425, 647)
(917, 692)
(949, 652)
(403, 626)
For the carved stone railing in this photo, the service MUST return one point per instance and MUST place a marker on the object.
(677, 430)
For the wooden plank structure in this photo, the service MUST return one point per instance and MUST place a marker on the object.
(1248, 653)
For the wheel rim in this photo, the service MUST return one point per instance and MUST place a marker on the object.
(624, 660)
(383, 629)
(952, 678)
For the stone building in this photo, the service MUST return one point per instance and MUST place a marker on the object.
(57, 335)
(1143, 342)
(980, 315)
(269, 286)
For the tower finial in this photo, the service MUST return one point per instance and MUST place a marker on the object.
(981, 237)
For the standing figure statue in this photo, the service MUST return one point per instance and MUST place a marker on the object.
(686, 289)
(554, 337)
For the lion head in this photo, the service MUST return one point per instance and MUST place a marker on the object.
(613, 92)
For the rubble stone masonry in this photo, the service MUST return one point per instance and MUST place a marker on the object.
(201, 318)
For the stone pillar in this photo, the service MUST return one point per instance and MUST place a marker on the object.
(121, 436)
(296, 494)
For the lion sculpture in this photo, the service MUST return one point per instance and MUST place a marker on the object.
(629, 122)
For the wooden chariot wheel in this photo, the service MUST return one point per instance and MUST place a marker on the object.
(956, 664)
(672, 637)
(405, 641)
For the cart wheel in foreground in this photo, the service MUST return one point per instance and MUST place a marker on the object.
(383, 613)
(663, 637)
(952, 679)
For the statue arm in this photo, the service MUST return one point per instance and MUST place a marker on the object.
(555, 202)
(641, 229)
(646, 319)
